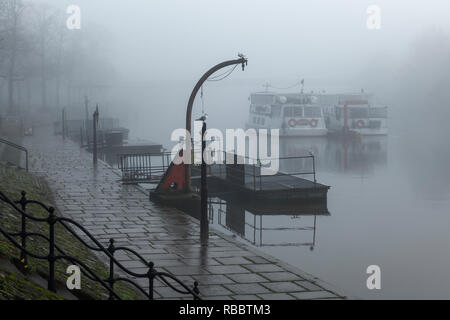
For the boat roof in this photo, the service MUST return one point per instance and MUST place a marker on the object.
(334, 96)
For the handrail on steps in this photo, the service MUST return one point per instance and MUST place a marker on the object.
(14, 145)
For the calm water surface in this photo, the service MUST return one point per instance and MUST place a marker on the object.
(384, 208)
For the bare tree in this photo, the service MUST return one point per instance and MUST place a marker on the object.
(12, 34)
(46, 19)
(38, 49)
(60, 40)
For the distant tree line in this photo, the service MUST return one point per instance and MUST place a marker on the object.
(43, 63)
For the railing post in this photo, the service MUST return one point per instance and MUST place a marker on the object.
(196, 290)
(111, 250)
(151, 278)
(51, 250)
(314, 168)
(23, 233)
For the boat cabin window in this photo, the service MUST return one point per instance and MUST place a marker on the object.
(293, 112)
(378, 113)
(311, 112)
(358, 112)
(276, 111)
(258, 120)
(261, 99)
(265, 109)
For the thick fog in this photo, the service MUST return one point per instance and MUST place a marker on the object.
(155, 51)
(139, 61)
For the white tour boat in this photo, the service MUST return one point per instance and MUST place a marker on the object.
(354, 113)
(294, 114)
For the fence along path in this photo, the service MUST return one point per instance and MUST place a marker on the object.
(55, 253)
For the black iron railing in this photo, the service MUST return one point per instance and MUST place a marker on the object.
(18, 147)
(55, 253)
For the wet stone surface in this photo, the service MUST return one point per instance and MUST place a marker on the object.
(226, 269)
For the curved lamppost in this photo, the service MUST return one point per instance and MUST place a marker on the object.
(243, 61)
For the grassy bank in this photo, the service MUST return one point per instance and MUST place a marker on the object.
(15, 285)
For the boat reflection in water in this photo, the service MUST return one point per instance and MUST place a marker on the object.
(294, 222)
(280, 224)
(360, 154)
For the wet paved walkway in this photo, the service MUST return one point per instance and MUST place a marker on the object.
(226, 269)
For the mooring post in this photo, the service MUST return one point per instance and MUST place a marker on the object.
(94, 149)
(204, 223)
(313, 166)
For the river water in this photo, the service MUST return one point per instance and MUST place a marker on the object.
(383, 209)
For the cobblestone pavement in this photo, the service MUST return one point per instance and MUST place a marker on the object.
(225, 269)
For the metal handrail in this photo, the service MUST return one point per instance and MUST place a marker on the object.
(139, 167)
(52, 257)
(19, 147)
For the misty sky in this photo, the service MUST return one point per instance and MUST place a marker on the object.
(161, 48)
(283, 39)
